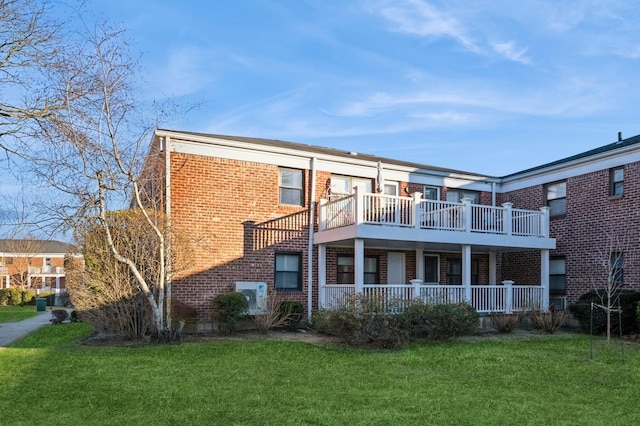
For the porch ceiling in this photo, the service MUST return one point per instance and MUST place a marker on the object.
(426, 246)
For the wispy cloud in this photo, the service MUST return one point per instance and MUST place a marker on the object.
(509, 51)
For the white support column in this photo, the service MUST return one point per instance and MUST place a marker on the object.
(466, 271)
(420, 264)
(508, 218)
(508, 296)
(544, 278)
(358, 194)
(467, 214)
(417, 211)
(358, 264)
(322, 275)
(544, 225)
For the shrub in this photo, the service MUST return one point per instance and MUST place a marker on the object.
(228, 310)
(13, 296)
(292, 312)
(274, 315)
(440, 321)
(549, 321)
(505, 323)
(628, 301)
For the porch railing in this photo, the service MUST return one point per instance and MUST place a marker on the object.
(414, 212)
(393, 298)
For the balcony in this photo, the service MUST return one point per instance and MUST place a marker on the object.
(387, 217)
(46, 270)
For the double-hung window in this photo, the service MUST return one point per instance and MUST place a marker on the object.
(288, 274)
(557, 276)
(343, 185)
(456, 195)
(346, 270)
(616, 268)
(616, 181)
(431, 269)
(291, 187)
(556, 196)
(454, 271)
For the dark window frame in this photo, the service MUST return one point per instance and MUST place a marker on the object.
(616, 183)
(557, 205)
(279, 286)
(290, 189)
(557, 278)
(369, 277)
(475, 271)
(437, 268)
(616, 270)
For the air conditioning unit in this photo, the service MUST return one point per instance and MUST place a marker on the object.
(558, 302)
(256, 294)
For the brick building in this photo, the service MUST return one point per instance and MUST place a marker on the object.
(315, 224)
(34, 263)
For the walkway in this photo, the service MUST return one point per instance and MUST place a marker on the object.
(13, 331)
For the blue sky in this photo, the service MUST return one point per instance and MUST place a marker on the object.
(485, 86)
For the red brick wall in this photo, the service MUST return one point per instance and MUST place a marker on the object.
(583, 233)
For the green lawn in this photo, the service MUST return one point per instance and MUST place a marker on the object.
(16, 313)
(539, 381)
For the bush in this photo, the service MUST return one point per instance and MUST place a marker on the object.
(549, 321)
(628, 300)
(228, 310)
(505, 323)
(13, 296)
(440, 321)
(292, 312)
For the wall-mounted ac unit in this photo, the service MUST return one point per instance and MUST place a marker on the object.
(558, 302)
(256, 294)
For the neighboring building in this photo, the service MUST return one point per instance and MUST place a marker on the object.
(316, 224)
(39, 264)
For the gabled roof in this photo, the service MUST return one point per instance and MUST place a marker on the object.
(36, 246)
(275, 143)
(583, 155)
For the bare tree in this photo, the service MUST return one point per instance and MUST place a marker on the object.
(610, 261)
(30, 43)
(23, 251)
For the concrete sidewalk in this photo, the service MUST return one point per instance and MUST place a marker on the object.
(13, 331)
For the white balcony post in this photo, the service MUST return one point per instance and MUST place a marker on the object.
(508, 296)
(322, 215)
(493, 279)
(508, 218)
(544, 278)
(358, 264)
(544, 225)
(467, 214)
(322, 275)
(416, 283)
(358, 195)
(417, 211)
(466, 272)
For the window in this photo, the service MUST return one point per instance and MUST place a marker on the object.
(616, 181)
(288, 271)
(343, 185)
(291, 191)
(556, 194)
(557, 276)
(431, 193)
(454, 271)
(346, 270)
(456, 195)
(431, 269)
(47, 261)
(616, 267)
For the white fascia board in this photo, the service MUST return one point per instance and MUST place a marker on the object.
(578, 167)
(299, 158)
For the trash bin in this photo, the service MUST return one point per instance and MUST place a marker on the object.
(41, 304)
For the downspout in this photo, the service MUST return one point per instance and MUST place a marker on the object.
(167, 211)
(312, 215)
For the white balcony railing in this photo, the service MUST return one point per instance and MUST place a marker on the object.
(506, 298)
(46, 270)
(414, 212)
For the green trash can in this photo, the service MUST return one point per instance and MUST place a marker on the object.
(41, 304)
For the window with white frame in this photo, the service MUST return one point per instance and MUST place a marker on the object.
(456, 195)
(291, 187)
(431, 193)
(616, 181)
(343, 185)
(556, 197)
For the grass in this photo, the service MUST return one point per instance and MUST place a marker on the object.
(16, 313)
(536, 381)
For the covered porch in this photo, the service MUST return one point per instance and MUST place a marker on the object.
(405, 235)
